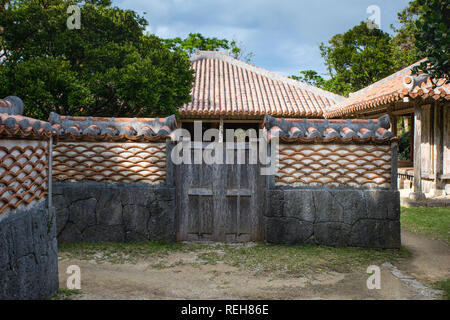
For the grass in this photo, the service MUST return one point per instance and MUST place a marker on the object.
(121, 252)
(443, 285)
(65, 294)
(300, 259)
(432, 222)
(259, 258)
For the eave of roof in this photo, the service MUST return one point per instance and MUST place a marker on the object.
(398, 87)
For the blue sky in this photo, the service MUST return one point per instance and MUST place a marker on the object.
(284, 35)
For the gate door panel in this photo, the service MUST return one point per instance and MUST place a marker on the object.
(220, 202)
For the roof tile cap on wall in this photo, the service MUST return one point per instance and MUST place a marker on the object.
(328, 131)
(98, 128)
(11, 105)
(14, 124)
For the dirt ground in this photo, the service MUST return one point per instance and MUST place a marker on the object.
(180, 277)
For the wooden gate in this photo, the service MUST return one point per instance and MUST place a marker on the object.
(220, 202)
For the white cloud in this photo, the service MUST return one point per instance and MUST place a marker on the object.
(283, 34)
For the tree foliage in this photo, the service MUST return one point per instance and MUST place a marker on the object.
(405, 50)
(196, 41)
(311, 77)
(432, 37)
(109, 67)
(358, 57)
(362, 56)
(354, 60)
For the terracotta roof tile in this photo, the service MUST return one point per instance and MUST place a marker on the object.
(228, 87)
(394, 88)
(11, 105)
(14, 124)
(97, 128)
(329, 131)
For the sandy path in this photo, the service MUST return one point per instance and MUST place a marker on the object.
(126, 281)
(183, 280)
(431, 258)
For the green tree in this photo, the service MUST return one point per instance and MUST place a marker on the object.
(196, 41)
(109, 67)
(311, 77)
(405, 50)
(357, 58)
(432, 37)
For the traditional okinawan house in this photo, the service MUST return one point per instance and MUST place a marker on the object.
(231, 94)
(410, 101)
(28, 249)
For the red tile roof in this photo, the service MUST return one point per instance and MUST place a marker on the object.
(228, 87)
(394, 88)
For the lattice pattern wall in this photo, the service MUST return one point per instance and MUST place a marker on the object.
(334, 165)
(110, 162)
(23, 173)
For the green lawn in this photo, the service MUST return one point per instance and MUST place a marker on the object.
(432, 222)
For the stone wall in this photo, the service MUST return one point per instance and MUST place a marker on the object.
(105, 211)
(333, 217)
(28, 253)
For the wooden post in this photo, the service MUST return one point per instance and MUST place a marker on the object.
(394, 126)
(417, 194)
(411, 149)
(438, 149)
(393, 120)
(221, 130)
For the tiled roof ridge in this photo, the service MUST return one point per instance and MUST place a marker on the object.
(273, 75)
(150, 129)
(324, 130)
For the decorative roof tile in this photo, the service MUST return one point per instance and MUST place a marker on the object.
(329, 131)
(11, 105)
(399, 86)
(13, 124)
(97, 128)
(228, 87)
